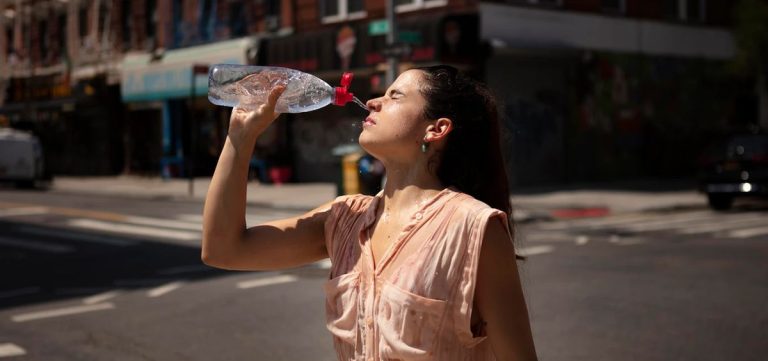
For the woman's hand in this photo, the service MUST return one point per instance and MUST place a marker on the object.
(246, 125)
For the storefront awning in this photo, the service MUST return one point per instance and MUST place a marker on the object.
(518, 27)
(148, 78)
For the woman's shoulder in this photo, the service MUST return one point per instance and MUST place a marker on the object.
(469, 205)
(354, 202)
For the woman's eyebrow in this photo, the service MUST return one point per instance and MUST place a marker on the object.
(393, 91)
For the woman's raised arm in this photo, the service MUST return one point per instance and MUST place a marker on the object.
(226, 242)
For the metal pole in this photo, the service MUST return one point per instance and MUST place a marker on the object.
(391, 39)
(191, 146)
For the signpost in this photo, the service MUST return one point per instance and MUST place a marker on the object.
(378, 27)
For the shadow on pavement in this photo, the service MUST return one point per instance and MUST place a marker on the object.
(62, 268)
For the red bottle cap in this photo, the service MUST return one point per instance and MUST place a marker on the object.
(343, 96)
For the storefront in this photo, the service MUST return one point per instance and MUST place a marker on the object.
(589, 98)
(79, 125)
(448, 39)
(172, 128)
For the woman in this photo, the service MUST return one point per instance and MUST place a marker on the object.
(409, 278)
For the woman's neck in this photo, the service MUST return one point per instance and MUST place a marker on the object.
(408, 187)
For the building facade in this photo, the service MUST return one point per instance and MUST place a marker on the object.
(589, 90)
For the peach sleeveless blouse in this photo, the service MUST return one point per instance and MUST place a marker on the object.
(416, 303)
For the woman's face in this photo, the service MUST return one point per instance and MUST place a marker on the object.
(395, 126)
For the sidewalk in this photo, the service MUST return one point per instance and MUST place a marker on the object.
(529, 205)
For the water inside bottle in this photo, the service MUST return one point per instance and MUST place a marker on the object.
(360, 103)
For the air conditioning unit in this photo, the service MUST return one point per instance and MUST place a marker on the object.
(271, 23)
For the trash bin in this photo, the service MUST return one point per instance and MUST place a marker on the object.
(349, 182)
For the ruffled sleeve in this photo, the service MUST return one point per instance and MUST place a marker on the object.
(345, 211)
(465, 293)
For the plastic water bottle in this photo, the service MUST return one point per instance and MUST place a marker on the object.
(249, 86)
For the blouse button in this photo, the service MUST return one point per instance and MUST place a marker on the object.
(418, 216)
(369, 321)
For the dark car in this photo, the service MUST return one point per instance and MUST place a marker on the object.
(739, 168)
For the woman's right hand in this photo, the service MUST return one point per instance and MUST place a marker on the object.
(245, 125)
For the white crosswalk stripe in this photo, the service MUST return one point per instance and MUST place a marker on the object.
(749, 232)
(10, 350)
(733, 225)
(130, 229)
(250, 219)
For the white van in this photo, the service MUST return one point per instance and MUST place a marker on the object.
(21, 158)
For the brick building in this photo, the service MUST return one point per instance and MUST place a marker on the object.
(589, 89)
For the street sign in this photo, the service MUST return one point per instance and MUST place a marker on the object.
(378, 27)
(396, 50)
(410, 37)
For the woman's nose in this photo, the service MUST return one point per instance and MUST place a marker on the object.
(373, 104)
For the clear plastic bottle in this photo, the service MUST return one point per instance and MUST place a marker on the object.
(248, 86)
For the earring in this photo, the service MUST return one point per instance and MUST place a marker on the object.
(424, 146)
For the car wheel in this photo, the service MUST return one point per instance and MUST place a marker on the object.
(720, 202)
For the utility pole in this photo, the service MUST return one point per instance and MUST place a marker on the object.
(391, 40)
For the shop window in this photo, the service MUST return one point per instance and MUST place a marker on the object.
(340, 10)
(687, 10)
(150, 22)
(125, 23)
(615, 6)
(410, 5)
(236, 19)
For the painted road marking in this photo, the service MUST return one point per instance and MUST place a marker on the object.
(250, 219)
(164, 289)
(133, 229)
(76, 236)
(266, 281)
(720, 225)
(19, 292)
(9, 350)
(749, 232)
(23, 211)
(61, 312)
(36, 245)
(595, 223)
(619, 241)
(100, 297)
(531, 251)
(165, 223)
(673, 221)
(582, 240)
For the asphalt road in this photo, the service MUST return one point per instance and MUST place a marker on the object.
(101, 278)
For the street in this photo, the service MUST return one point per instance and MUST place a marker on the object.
(100, 278)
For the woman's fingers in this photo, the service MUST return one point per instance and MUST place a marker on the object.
(272, 99)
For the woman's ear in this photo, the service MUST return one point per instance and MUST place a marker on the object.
(438, 130)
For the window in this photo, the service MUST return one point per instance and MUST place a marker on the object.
(339, 10)
(236, 19)
(410, 5)
(615, 6)
(687, 10)
(125, 23)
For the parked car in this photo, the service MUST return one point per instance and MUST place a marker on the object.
(739, 168)
(21, 159)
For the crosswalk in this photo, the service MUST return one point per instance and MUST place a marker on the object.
(127, 230)
(698, 223)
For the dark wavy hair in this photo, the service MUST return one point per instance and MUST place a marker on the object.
(471, 160)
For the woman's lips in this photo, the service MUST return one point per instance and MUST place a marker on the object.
(369, 121)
